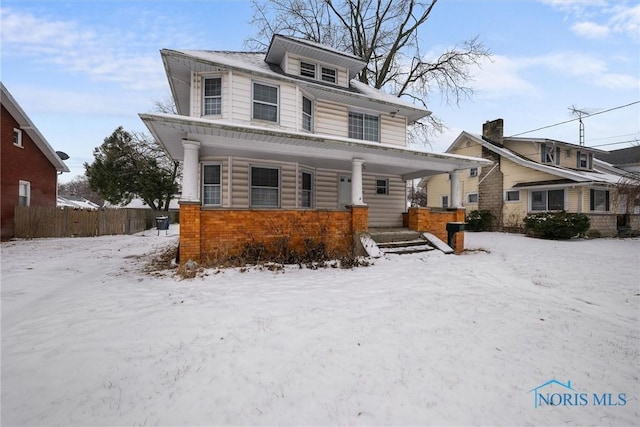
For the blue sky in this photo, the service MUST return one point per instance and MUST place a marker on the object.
(80, 68)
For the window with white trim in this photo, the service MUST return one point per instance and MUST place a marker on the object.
(307, 189)
(547, 200)
(265, 187)
(307, 69)
(17, 137)
(307, 114)
(328, 75)
(599, 200)
(473, 172)
(382, 186)
(211, 184)
(265, 102)
(24, 193)
(211, 96)
(445, 201)
(364, 126)
(512, 196)
(472, 198)
(585, 160)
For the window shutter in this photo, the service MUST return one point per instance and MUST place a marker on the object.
(543, 149)
(578, 163)
(606, 198)
(590, 164)
(592, 204)
(557, 155)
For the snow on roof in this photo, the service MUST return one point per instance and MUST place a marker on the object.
(597, 175)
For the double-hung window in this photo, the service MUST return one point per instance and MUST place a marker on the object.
(265, 102)
(307, 114)
(382, 186)
(307, 190)
(24, 193)
(599, 200)
(212, 96)
(585, 160)
(308, 69)
(547, 200)
(328, 75)
(211, 185)
(364, 126)
(445, 201)
(265, 187)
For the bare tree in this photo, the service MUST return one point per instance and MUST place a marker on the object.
(385, 33)
(628, 194)
(79, 187)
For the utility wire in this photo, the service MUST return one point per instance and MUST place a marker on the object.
(615, 143)
(577, 118)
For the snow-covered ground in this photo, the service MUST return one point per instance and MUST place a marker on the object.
(423, 339)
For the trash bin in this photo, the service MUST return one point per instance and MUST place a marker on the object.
(162, 223)
(452, 229)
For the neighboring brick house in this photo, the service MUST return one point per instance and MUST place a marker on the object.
(532, 175)
(286, 144)
(29, 167)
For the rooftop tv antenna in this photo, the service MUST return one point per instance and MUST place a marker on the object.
(580, 113)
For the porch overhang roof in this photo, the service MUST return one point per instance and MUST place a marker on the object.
(219, 138)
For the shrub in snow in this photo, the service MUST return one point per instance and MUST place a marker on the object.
(556, 225)
(479, 220)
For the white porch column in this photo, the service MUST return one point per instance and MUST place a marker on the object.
(456, 190)
(356, 182)
(190, 191)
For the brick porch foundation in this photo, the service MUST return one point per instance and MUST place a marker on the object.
(435, 222)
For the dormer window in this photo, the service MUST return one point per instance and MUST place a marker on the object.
(307, 70)
(549, 154)
(585, 160)
(328, 75)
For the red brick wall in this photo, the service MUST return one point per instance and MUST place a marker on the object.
(218, 234)
(435, 222)
(26, 164)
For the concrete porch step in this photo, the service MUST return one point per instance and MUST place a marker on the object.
(400, 241)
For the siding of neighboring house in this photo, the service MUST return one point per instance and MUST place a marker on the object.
(27, 164)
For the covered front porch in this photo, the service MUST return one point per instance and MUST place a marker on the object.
(374, 175)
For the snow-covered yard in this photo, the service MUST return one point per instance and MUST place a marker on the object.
(423, 339)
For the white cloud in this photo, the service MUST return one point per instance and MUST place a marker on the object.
(101, 53)
(590, 30)
(599, 18)
(501, 77)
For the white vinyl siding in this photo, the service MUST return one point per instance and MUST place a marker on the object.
(326, 189)
(393, 130)
(385, 210)
(331, 119)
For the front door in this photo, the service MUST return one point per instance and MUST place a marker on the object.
(344, 191)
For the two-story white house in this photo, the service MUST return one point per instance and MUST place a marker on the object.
(287, 144)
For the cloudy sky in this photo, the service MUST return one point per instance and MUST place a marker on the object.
(81, 68)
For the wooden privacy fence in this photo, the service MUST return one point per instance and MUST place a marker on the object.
(44, 221)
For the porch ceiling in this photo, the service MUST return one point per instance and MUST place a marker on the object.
(227, 139)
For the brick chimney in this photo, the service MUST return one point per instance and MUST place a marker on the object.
(494, 131)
